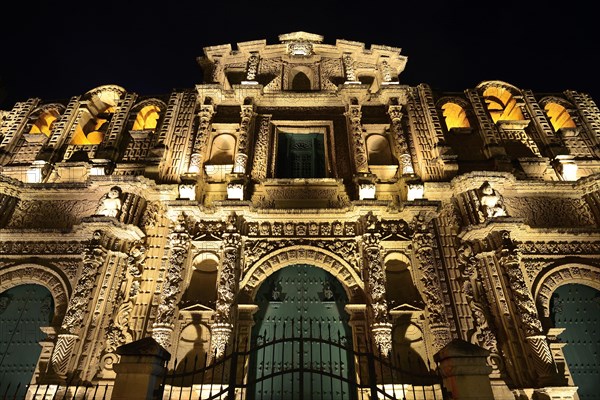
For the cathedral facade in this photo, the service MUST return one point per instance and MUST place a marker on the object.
(303, 180)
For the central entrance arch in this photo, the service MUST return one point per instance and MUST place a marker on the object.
(301, 301)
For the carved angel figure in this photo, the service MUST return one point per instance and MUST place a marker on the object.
(491, 202)
(110, 203)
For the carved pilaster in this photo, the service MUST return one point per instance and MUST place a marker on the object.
(349, 68)
(381, 328)
(93, 258)
(119, 332)
(472, 286)
(402, 150)
(509, 258)
(223, 319)
(241, 157)
(199, 148)
(252, 67)
(357, 139)
(424, 247)
(179, 242)
(261, 148)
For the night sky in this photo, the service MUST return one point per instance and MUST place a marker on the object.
(55, 50)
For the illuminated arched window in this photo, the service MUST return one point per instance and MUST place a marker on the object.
(455, 116)
(43, 125)
(379, 151)
(559, 116)
(222, 150)
(146, 118)
(90, 132)
(501, 105)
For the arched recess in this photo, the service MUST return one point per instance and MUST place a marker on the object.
(455, 115)
(146, 119)
(44, 118)
(379, 151)
(557, 111)
(315, 256)
(202, 287)
(301, 78)
(41, 275)
(400, 288)
(584, 274)
(222, 150)
(500, 101)
(193, 346)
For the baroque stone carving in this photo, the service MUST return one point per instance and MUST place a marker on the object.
(179, 241)
(400, 142)
(551, 212)
(491, 203)
(358, 141)
(423, 242)
(110, 204)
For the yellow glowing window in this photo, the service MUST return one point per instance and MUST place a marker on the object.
(94, 135)
(43, 125)
(559, 116)
(146, 119)
(501, 105)
(455, 116)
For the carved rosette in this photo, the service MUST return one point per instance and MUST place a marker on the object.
(400, 142)
(179, 242)
(93, 258)
(197, 157)
(241, 157)
(354, 116)
(423, 245)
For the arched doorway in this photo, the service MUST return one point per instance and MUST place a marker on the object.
(301, 301)
(576, 307)
(23, 310)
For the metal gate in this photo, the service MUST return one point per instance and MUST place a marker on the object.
(367, 376)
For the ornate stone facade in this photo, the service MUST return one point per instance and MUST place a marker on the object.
(303, 152)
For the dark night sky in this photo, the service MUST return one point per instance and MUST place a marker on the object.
(55, 50)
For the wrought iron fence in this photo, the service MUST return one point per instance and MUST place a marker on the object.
(310, 370)
(70, 391)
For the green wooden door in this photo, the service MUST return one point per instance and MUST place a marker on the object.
(577, 308)
(23, 310)
(301, 301)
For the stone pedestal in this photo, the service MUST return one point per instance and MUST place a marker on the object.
(465, 371)
(140, 370)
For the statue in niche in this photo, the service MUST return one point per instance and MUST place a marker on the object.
(110, 203)
(491, 202)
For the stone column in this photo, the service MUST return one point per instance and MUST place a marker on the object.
(206, 114)
(510, 260)
(381, 328)
(93, 259)
(358, 146)
(424, 247)
(140, 370)
(179, 242)
(464, 371)
(241, 155)
(402, 150)
(222, 326)
(349, 69)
